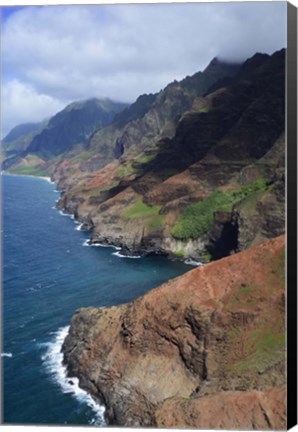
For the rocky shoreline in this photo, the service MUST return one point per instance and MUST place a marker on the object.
(215, 351)
(203, 184)
(142, 250)
(195, 172)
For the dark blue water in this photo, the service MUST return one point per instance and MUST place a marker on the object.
(47, 275)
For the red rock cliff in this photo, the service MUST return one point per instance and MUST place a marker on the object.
(204, 350)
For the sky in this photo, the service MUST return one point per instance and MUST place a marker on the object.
(54, 55)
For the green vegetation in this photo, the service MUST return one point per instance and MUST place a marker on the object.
(140, 210)
(155, 222)
(150, 214)
(246, 297)
(29, 170)
(32, 165)
(144, 158)
(258, 349)
(279, 268)
(134, 166)
(204, 110)
(180, 253)
(197, 218)
(126, 170)
(245, 191)
(207, 257)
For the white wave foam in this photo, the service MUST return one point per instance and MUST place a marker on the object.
(4, 354)
(62, 213)
(189, 261)
(66, 214)
(48, 179)
(119, 255)
(52, 360)
(97, 244)
(78, 227)
(106, 245)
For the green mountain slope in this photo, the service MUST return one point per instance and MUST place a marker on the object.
(208, 185)
(73, 125)
(153, 116)
(29, 146)
(18, 140)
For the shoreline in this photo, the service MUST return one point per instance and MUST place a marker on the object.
(120, 251)
(52, 360)
(48, 179)
(177, 302)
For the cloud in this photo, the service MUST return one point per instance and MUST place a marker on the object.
(23, 104)
(68, 53)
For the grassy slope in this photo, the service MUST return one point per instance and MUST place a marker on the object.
(197, 218)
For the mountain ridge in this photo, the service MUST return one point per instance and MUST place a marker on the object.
(214, 156)
(129, 115)
(168, 152)
(195, 172)
(61, 133)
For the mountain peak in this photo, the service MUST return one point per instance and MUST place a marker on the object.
(216, 65)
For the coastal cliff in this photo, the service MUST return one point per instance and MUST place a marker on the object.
(212, 187)
(200, 351)
(195, 171)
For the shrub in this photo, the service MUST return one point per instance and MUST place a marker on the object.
(197, 218)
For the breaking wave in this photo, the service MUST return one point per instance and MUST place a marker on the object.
(52, 360)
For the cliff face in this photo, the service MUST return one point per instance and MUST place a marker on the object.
(195, 171)
(211, 184)
(153, 117)
(200, 351)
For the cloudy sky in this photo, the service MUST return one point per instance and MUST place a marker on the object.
(53, 55)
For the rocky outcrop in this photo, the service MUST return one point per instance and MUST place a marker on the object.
(200, 351)
(259, 410)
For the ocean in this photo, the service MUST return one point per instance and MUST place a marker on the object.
(48, 272)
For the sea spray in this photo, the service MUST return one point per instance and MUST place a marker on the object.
(119, 255)
(192, 262)
(4, 354)
(53, 363)
(102, 245)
